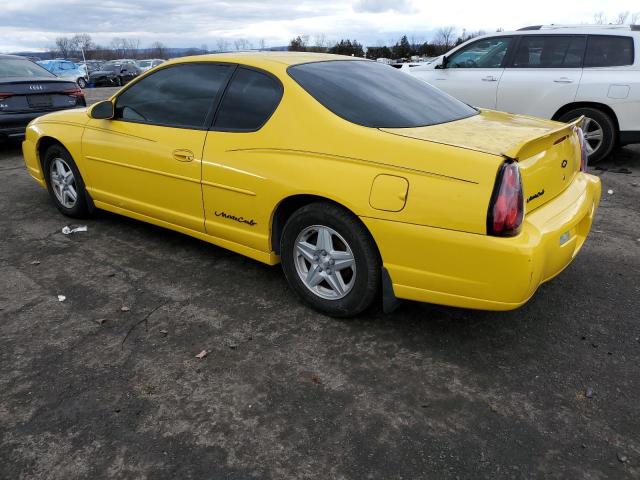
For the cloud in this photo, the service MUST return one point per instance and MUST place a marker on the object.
(380, 6)
(34, 25)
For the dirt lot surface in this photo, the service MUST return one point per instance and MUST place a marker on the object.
(106, 384)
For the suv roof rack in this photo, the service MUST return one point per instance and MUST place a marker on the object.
(594, 27)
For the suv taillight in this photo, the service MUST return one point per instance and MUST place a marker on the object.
(583, 150)
(506, 209)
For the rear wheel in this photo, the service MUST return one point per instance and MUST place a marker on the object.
(599, 131)
(330, 260)
(64, 182)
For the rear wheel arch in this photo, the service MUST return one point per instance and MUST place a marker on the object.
(595, 105)
(289, 205)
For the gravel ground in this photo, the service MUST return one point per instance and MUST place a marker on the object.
(106, 384)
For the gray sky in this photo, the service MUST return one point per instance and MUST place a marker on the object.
(34, 24)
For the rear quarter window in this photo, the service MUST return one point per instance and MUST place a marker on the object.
(249, 101)
(609, 51)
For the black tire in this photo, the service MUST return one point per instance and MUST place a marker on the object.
(82, 83)
(365, 285)
(81, 207)
(118, 81)
(609, 132)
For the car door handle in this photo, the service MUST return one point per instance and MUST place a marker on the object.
(489, 78)
(563, 80)
(183, 155)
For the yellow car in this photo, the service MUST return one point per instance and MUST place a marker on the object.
(361, 180)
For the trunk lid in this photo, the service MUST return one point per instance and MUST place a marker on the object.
(547, 152)
(20, 95)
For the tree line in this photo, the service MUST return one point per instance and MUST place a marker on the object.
(445, 39)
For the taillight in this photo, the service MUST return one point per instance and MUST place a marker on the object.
(5, 95)
(583, 150)
(506, 209)
(73, 92)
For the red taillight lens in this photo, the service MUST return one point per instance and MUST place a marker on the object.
(5, 95)
(506, 209)
(73, 92)
(583, 150)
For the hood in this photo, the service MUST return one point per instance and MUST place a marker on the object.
(496, 133)
(76, 116)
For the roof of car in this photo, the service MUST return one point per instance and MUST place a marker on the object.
(264, 58)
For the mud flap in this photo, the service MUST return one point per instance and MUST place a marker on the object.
(389, 300)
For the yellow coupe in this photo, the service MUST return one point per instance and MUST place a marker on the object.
(361, 180)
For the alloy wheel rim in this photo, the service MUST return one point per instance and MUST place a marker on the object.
(63, 183)
(325, 262)
(593, 135)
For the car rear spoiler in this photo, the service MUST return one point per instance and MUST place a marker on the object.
(532, 147)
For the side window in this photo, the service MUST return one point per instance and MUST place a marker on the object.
(177, 96)
(249, 101)
(545, 51)
(607, 51)
(486, 53)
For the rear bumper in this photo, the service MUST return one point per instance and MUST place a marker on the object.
(479, 271)
(14, 124)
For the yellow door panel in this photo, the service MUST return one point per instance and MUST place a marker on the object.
(148, 169)
(389, 192)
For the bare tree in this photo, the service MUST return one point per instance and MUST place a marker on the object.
(622, 18)
(205, 48)
(320, 40)
(445, 36)
(64, 46)
(82, 42)
(158, 50)
(242, 44)
(599, 18)
(222, 45)
(262, 44)
(125, 47)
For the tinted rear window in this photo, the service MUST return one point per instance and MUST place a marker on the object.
(375, 95)
(549, 51)
(17, 67)
(605, 51)
(249, 101)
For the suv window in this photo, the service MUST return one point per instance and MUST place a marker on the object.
(543, 51)
(375, 95)
(177, 96)
(608, 51)
(485, 53)
(250, 100)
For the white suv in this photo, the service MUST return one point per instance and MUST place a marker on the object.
(557, 72)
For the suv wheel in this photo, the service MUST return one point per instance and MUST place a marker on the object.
(330, 260)
(599, 131)
(64, 182)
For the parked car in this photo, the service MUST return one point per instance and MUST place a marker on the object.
(27, 91)
(145, 65)
(416, 195)
(92, 65)
(66, 70)
(556, 72)
(114, 73)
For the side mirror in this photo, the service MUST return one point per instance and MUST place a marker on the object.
(443, 64)
(102, 110)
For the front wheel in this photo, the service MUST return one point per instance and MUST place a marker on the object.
(599, 131)
(64, 182)
(330, 260)
(82, 83)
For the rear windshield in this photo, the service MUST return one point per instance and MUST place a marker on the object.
(17, 67)
(376, 95)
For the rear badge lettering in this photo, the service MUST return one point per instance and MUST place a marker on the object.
(249, 222)
(535, 195)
